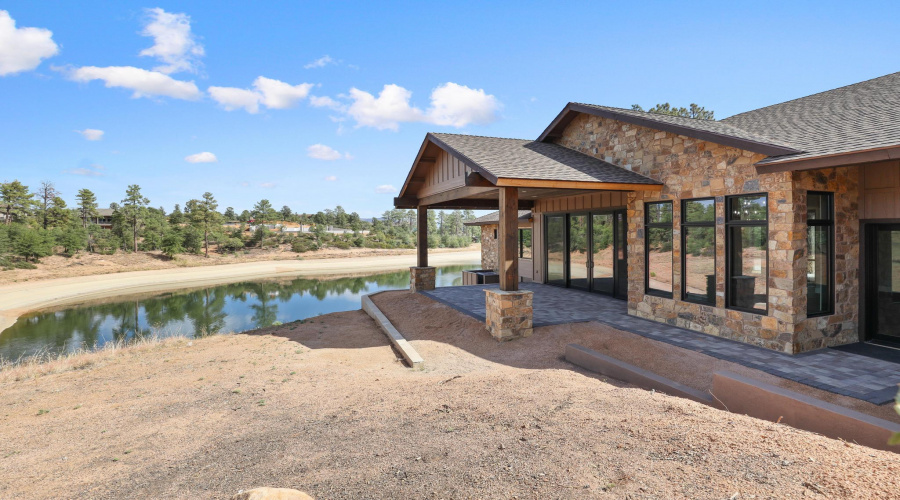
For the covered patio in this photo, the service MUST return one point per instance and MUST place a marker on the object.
(482, 173)
(832, 370)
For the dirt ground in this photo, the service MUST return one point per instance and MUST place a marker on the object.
(326, 407)
(88, 264)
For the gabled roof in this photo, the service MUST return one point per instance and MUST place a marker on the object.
(707, 130)
(494, 218)
(500, 159)
(860, 117)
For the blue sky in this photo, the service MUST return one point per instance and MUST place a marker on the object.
(318, 131)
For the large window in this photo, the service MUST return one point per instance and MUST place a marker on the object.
(820, 254)
(747, 250)
(524, 243)
(658, 232)
(698, 250)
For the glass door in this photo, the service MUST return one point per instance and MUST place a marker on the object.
(556, 250)
(578, 251)
(604, 253)
(621, 243)
(883, 316)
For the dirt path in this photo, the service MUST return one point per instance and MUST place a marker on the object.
(324, 406)
(19, 298)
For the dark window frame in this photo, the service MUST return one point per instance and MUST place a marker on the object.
(828, 224)
(684, 224)
(657, 225)
(522, 243)
(729, 223)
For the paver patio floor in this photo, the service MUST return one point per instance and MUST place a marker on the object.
(840, 372)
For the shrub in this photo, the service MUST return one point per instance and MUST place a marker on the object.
(231, 244)
(301, 245)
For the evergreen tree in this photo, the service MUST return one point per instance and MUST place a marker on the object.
(46, 194)
(229, 214)
(134, 209)
(32, 243)
(15, 200)
(205, 217)
(286, 213)
(177, 216)
(87, 206)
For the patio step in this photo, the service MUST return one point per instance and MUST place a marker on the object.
(397, 340)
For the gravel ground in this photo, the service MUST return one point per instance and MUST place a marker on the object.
(325, 407)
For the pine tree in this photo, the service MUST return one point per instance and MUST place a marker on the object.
(134, 209)
(87, 205)
(205, 217)
(15, 200)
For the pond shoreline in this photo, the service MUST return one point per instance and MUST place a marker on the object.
(22, 298)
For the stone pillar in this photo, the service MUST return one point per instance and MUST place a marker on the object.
(509, 314)
(421, 278)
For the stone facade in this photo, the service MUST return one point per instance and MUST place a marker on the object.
(691, 168)
(509, 315)
(421, 278)
(489, 250)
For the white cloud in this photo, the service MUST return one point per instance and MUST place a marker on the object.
(320, 62)
(385, 188)
(144, 83)
(384, 112)
(451, 104)
(173, 43)
(324, 102)
(232, 98)
(268, 185)
(330, 178)
(273, 94)
(323, 152)
(91, 134)
(279, 95)
(23, 49)
(92, 170)
(204, 157)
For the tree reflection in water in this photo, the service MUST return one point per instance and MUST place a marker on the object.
(233, 307)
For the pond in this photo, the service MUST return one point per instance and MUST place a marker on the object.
(197, 312)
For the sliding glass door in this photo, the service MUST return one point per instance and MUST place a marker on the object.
(556, 250)
(604, 253)
(578, 251)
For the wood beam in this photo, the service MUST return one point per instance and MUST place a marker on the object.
(475, 179)
(422, 236)
(453, 194)
(508, 239)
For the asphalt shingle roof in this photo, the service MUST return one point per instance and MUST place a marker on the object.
(494, 218)
(857, 117)
(524, 159)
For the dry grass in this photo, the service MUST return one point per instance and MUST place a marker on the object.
(47, 363)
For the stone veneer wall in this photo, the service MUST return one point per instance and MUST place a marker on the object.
(489, 251)
(842, 327)
(692, 168)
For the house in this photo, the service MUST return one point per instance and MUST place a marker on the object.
(103, 218)
(490, 226)
(776, 227)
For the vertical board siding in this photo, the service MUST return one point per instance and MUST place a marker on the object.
(445, 174)
(880, 190)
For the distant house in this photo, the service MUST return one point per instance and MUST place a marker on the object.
(103, 218)
(776, 227)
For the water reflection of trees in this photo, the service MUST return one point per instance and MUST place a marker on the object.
(205, 310)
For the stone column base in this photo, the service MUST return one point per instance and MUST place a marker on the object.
(509, 315)
(421, 278)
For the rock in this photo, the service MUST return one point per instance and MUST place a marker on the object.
(272, 494)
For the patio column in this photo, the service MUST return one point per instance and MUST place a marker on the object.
(508, 310)
(421, 277)
(508, 244)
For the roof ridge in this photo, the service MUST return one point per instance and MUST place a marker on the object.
(808, 96)
(481, 136)
(647, 112)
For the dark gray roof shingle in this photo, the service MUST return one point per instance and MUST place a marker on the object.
(494, 218)
(857, 117)
(524, 159)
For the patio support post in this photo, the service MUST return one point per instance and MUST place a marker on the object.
(421, 277)
(508, 239)
(508, 311)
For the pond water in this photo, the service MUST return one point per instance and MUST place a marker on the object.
(234, 307)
